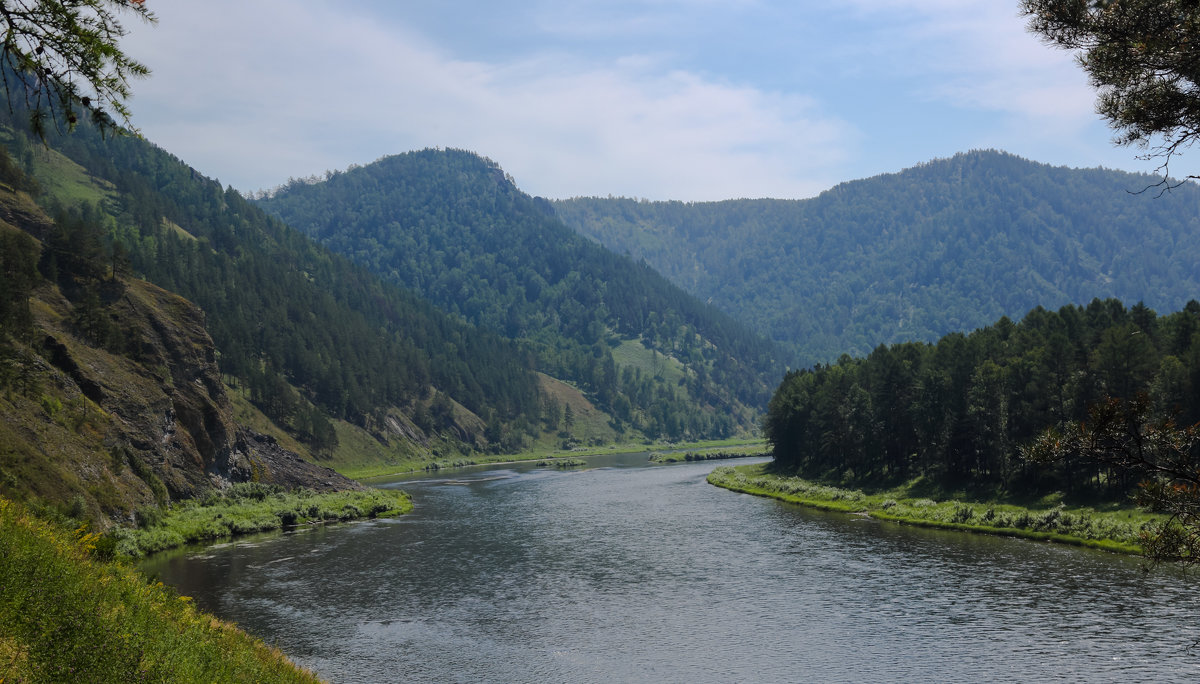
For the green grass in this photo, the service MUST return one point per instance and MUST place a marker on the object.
(248, 508)
(652, 363)
(1118, 529)
(67, 617)
(710, 454)
(537, 454)
(64, 180)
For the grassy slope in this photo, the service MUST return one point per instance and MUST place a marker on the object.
(67, 617)
(1118, 529)
(634, 354)
(590, 425)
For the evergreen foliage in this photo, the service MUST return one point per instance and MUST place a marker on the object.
(285, 313)
(947, 246)
(1141, 56)
(452, 226)
(958, 411)
(62, 57)
(18, 275)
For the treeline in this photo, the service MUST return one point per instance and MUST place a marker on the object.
(452, 226)
(949, 245)
(301, 327)
(959, 410)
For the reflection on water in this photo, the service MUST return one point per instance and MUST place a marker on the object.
(622, 572)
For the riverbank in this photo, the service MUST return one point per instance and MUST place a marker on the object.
(1117, 530)
(757, 450)
(67, 616)
(247, 508)
(383, 472)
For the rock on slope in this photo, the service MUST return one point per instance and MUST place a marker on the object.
(107, 429)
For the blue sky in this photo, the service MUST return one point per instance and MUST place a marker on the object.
(661, 99)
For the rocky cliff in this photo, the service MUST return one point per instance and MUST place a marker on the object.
(103, 429)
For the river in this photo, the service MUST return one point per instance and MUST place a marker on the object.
(627, 572)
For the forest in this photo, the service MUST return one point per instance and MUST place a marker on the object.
(306, 333)
(960, 411)
(945, 246)
(453, 227)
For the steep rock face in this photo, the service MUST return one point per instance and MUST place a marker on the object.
(111, 398)
(165, 400)
(142, 419)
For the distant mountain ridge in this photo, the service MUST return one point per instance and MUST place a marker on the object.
(949, 245)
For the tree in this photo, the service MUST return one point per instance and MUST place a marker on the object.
(1143, 56)
(1122, 435)
(63, 57)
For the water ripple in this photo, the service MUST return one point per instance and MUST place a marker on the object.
(649, 574)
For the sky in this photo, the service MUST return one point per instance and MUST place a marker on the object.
(690, 100)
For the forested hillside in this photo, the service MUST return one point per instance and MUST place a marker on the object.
(111, 402)
(958, 411)
(307, 336)
(947, 246)
(454, 227)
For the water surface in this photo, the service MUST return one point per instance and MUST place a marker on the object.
(629, 572)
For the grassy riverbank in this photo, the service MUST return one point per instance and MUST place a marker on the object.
(709, 454)
(1118, 530)
(248, 508)
(378, 472)
(66, 616)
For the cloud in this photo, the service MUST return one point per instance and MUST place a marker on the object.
(256, 92)
(978, 55)
(680, 99)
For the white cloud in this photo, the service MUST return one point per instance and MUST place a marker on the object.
(977, 54)
(256, 92)
(292, 89)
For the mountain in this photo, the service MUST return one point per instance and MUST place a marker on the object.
(111, 401)
(946, 246)
(335, 363)
(453, 227)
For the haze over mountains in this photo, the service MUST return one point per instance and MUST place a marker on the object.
(542, 338)
(467, 317)
(453, 227)
(950, 245)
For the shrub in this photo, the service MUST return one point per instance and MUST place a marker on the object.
(148, 516)
(962, 514)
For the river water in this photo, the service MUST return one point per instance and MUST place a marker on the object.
(625, 572)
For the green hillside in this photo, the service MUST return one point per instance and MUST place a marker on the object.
(312, 341)
(453, 227)
(950, 245)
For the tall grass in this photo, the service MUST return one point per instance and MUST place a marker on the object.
(67, 617)
(1120, 530)
(247, 508)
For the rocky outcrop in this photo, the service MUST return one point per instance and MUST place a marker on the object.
(145, 423)
(102, 424)
(279, 466)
